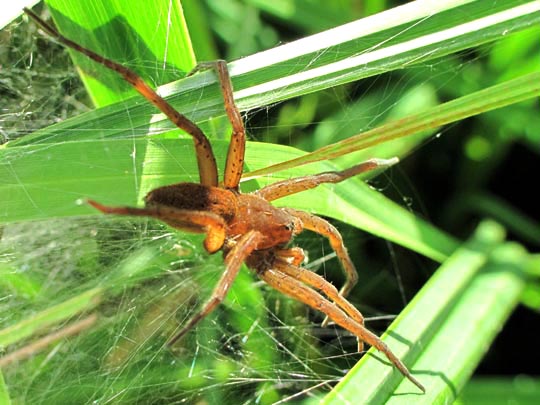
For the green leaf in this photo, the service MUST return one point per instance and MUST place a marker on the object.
(521, 389)
(309, 65)
(119, 30)
(73, 171)
(112, 121)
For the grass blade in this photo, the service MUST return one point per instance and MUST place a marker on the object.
(442, 334)
(41, 320)
(500, 95)
(309, 65)
(4, 394)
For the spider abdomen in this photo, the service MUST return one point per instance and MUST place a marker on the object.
(196, 197)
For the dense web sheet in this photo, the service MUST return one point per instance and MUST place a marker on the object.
(145, 282)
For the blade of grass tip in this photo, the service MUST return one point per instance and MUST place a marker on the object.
(450, 358)
(418, 324)
(500, 95)
(4, 394)
(49, 316)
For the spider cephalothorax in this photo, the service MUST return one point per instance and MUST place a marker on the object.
(247, 228)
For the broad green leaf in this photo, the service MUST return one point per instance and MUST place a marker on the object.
(148, 37)
(104, 122)
(73, 171)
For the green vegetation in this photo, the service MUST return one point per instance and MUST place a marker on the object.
(89, 301)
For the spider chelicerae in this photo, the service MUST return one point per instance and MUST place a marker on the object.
(247, 228)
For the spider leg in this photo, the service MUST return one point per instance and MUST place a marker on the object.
(299, 184)
(316, 281)
(233, 262)
(205, 156)
(290, 286)
(235, 156)
(323, 227)
(195, 221)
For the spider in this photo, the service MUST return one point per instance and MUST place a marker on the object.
(247, 228)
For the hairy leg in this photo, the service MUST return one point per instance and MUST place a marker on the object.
(205, 156)
(233, 263)
(235, 156)
(323, 227)
(295, 289)
(194, 221)
(299, 184)
(294, 255)
(318, 282)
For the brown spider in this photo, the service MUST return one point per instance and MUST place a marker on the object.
(246, 227)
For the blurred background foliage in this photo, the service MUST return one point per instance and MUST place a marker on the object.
(453, 181)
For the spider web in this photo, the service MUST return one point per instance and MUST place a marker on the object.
(258, 347)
